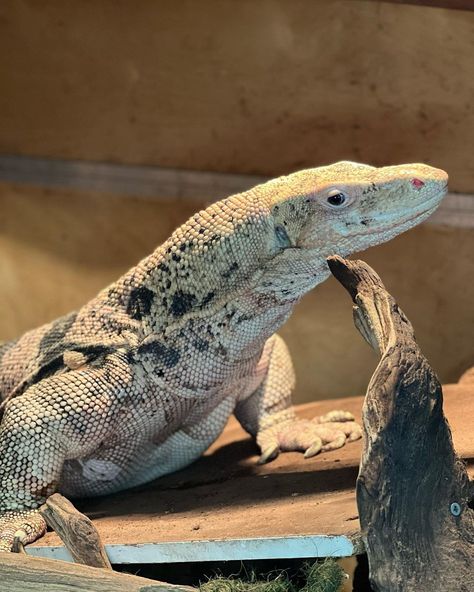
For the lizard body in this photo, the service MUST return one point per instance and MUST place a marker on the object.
(142, 379)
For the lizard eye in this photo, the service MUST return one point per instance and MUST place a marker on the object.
(336, 198)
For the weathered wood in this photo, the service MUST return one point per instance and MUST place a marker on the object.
(76, 531)
(412, 491)
(20, 573)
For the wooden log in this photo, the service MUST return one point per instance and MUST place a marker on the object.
(21, 573)
(76, 531)
(412, 491)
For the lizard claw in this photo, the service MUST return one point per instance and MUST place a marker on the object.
(269, 454)
(19, 540)
(314, 449)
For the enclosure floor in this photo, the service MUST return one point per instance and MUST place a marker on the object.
(225, 495)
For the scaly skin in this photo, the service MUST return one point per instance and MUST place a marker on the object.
(143, 378)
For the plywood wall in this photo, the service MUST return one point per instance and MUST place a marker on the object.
(248, 87)
(258, 87)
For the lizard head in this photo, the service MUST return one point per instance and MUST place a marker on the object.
(353, 206)
(341, 209)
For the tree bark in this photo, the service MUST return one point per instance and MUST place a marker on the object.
(412, 490)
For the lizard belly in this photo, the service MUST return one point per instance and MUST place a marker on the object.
(152, 445)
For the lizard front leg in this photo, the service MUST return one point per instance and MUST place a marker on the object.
(61, 417)
(31, 458)
(268, 413)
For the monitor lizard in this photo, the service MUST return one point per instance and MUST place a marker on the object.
(142, 379)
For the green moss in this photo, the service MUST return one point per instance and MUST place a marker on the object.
(326, 576)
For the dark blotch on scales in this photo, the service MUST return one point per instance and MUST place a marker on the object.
(95, 354)
(139, 303)
(46, 370)
(55, 335)
(234, 267)
(207, 298)
(182, 303)
(167, 355)
(201, 344)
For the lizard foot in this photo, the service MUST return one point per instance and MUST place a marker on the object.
(19, 527)
(327, 432)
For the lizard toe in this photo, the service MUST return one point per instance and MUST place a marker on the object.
(337, 415)
(351, 429)
(20, 527)
(335, 443)
(308, 436)
(314, 449)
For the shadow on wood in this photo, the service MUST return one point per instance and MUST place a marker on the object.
(413, 492)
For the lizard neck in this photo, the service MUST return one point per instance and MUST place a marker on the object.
(205, 262)
(234, 258)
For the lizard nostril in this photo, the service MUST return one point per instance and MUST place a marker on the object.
(417, 183)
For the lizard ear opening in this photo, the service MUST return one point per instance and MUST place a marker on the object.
(282, 237)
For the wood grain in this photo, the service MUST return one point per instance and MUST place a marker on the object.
(76, 531)
(20, 573)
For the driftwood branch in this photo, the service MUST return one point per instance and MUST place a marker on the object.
(412, 490)
(76, 531)
(21, 573)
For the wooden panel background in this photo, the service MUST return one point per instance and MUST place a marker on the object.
(248, 87)
(258, 87)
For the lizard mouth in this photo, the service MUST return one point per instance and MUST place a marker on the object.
(430, 206)
(423, 214)
(409, 221)
(387, 232)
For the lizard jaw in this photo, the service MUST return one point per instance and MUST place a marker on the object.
(392, 230)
